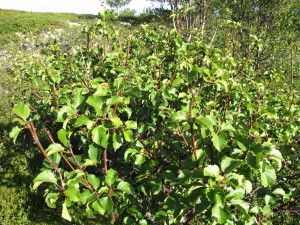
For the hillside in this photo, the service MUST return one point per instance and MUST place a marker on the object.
(14, 21)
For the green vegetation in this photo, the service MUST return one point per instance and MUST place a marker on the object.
(13, 22)
(190, 118)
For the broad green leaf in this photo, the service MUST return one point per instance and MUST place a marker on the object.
(107, 204)
(51, 199)
(110, 177)
(139, 159)
(82, 120)
(96, 103)
(279, 191)
(117, 141)
(219, 140)
(98, 207)
(77, 100)
(267, 211)
(248, 186)
(94, 153)
(160, 215)
(211, 171)
(53, 148)
(22, 110)
(143, 222)
(125, 187)
(207, 121)
(45, 176)
(65, 213)
(220, 214)
(14, 133)
(94, 181)
(227, 127)
(156, 186)
(103, 90)
(62, 136)
(132, 125)
(267, 174)
(237, 193)
(276, 156)
(129, 152)
(73, 193)
(117, 122)
(128, 135)
(87, 196)
(241, 205)
(100, 136)
(179, 116)
(229, 164)
(222, 84)
(114, 100)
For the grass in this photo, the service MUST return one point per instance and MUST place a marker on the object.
(13, 22)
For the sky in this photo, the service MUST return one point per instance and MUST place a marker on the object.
(73, 6)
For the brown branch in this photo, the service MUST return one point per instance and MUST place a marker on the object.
(41, 148)
(192, 128)
(105, 161)
(81, 169)
(128, 51)
(61, 154)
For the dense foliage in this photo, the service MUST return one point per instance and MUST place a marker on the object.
(159, 128)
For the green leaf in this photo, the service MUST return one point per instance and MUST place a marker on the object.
(103, 90)
(279, 191)
(160, 215)
(241, 205)
(51, 199)
(222, 84)
(248, 186)
(129, 152)
(211, 171)
(125, 187)
(229, 164)
(179, 116)
(22, 110)
(77, 100)
(267, 174)
(220, 214)
(94, 153)
(99, 136)
(65, 213)
(87, 196)
(96, 103)
(276, 157)
(117, 122)
(131, 125)
(45, 176)
(98, 207)
(82, 120)
(237, 193)
(62, 136)
(73, 193)
(53, 148)
(128, 135)
(117, 141)
(94, 181)
(207, 121)
(107, 204)
(219, 140)
(139, 159)
(110, 177)
(14, 133)
(114, 100)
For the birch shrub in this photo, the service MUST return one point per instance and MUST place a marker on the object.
(152, 129)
